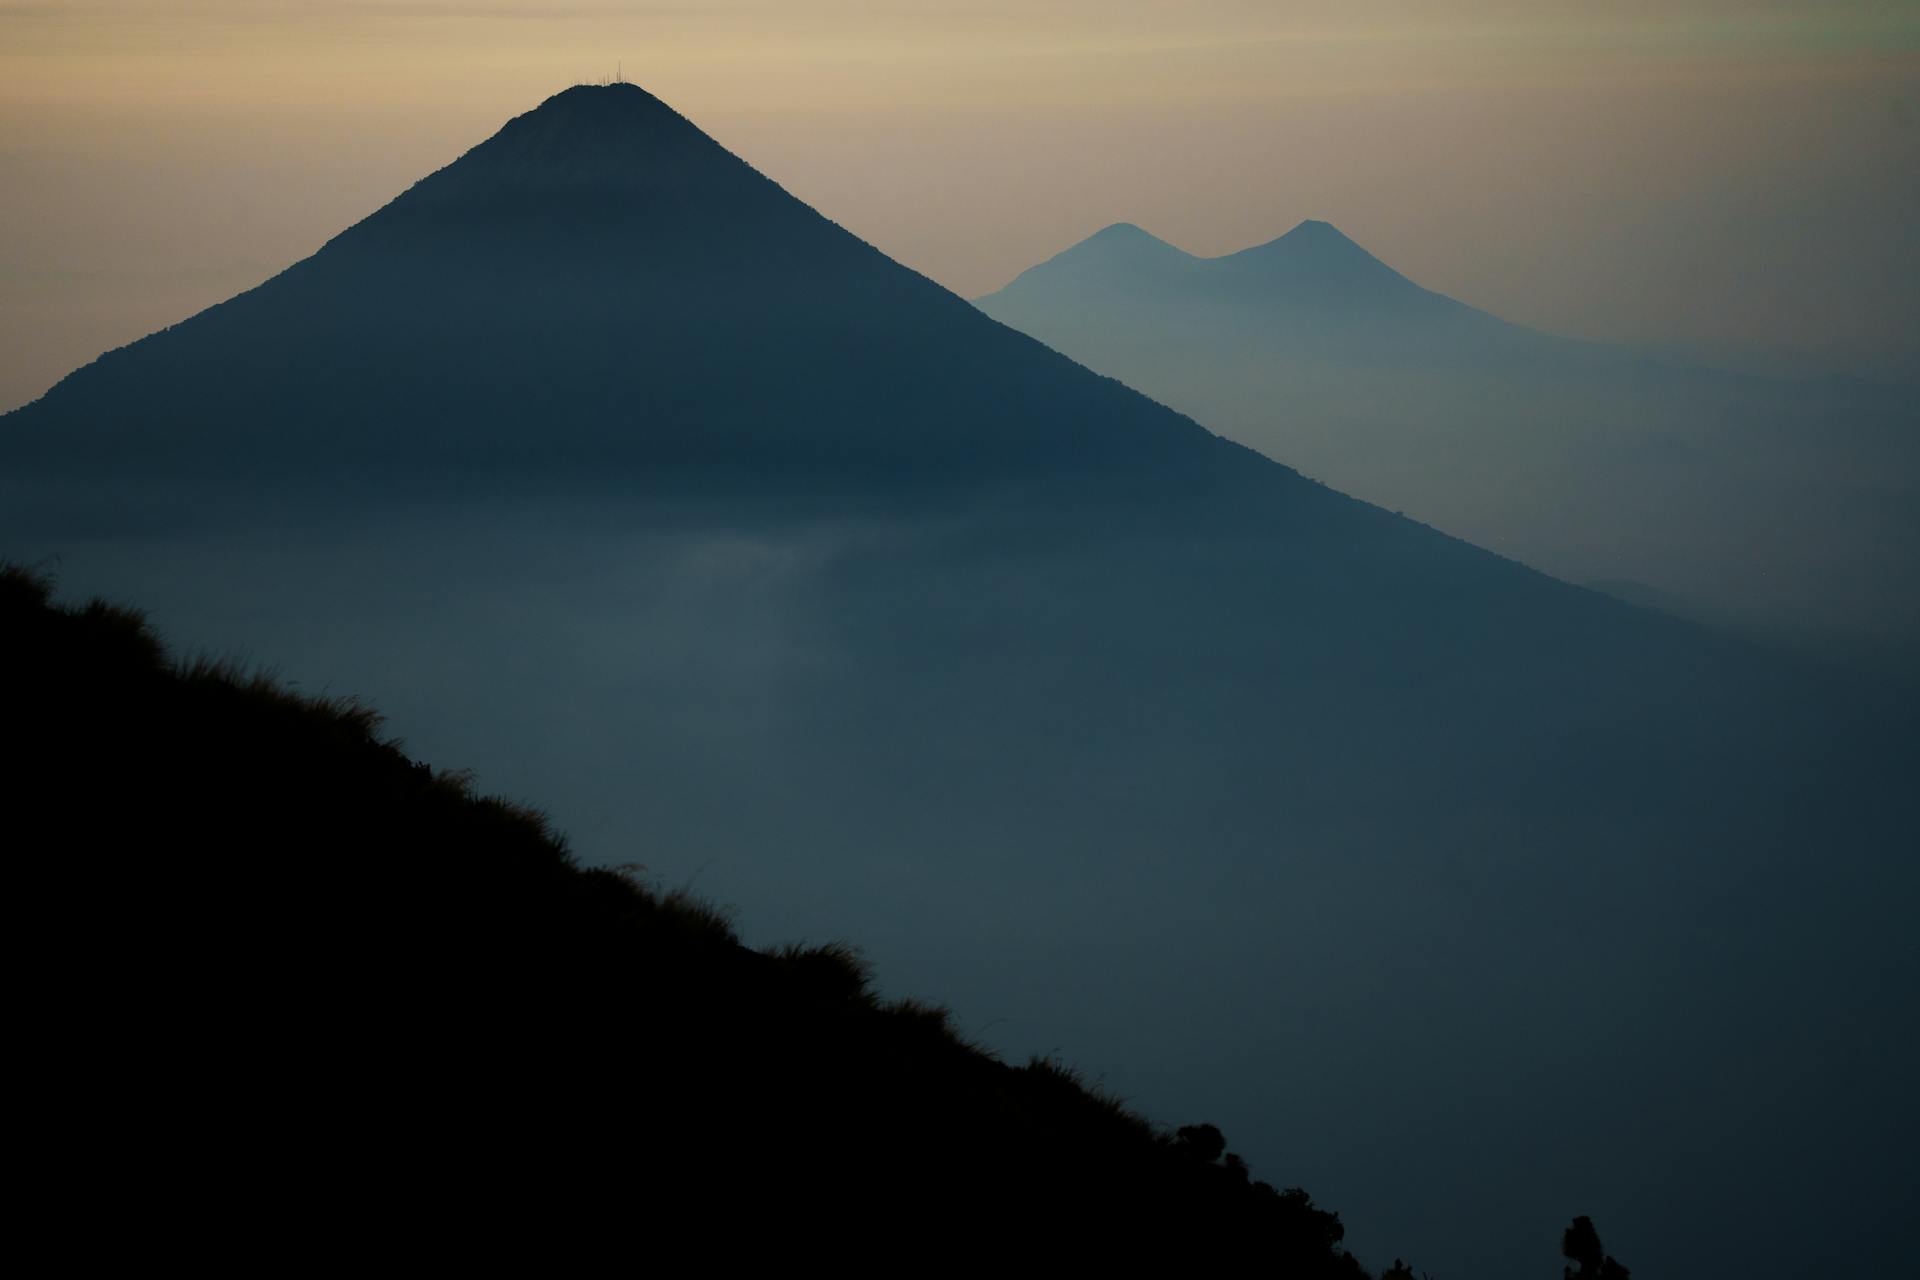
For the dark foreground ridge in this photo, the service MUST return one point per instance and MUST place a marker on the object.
(364, 996)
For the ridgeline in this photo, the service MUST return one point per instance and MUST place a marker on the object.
(296, 986)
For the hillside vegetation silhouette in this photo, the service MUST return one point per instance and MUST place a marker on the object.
(287, 946)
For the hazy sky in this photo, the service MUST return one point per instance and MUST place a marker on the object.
(1698, 171)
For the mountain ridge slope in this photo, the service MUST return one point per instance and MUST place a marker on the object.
(415, 956)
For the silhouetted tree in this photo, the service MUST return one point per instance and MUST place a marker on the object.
(1202, 1141)
(1580, 1243)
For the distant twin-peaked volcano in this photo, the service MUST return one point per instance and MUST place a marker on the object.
(1313, 287)
(1312, 267)
(600, 462)
(1793, 507)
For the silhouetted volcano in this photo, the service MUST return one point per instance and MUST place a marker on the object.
(1789, 507)
(1119, 251)
(1315, 262)
(1313, 270)
(599, 284)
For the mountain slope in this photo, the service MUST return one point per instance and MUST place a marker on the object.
(1792, 507)
(362, 971)
(604, 464)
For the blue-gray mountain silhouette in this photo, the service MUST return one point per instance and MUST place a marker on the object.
(600, 462)
(600, 285)
(1314, 266)
(1792, 506)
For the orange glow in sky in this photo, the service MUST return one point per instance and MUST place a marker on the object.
(1694, 171)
